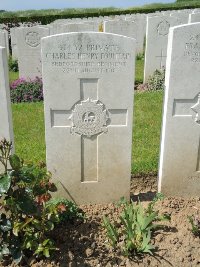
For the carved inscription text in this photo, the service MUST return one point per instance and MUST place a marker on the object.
(192, 48)
(88, 58)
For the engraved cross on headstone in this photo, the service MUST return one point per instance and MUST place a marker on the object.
(189, 108)
(162, 59)
(89, 117)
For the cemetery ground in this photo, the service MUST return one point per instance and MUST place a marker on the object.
(85, 243)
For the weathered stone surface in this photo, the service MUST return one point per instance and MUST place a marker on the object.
(29, 50)
(4, 40)
(88, 94)
(140, 22)
(182, 17)
(14, 43)
(179, 172)
(194, 17)
(127, 28)
(6, 129)
(77, 27)
(156, 43)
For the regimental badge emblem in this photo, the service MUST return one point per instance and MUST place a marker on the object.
(163, 28)
(33, 39)
(89, 117)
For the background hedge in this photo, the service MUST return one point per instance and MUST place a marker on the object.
(44, 18)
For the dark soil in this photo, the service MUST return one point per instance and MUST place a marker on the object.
(85, 244)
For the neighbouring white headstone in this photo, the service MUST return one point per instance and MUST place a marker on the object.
(156, 43)
(4, 40)
(6, 129)
(179, 172)
(95, 23)
(77, 27)
(194, 17)
(140, 31)
(88, 96)
(182, 17)
(196, 10)
(29, 50)
(126, 28)
(14, 43)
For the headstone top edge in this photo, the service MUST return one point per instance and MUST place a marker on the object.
(86, 33)
(184, 26)
(31, 28)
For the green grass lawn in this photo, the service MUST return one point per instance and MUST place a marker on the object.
(29, 128)
(146, 131)
(30, 142)
(13, 76)
(28, 119)
(139, 70)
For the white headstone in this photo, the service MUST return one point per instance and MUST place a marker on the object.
(29, 50)
(196, 10)
(195, 17)
(124, 27)
(6, 129)
(140, 22)
(4, 40)
(156, 43)
(94, 23)
(179, 173)
(14, 43)
(77, 27)
(182, 17)
(88, 94)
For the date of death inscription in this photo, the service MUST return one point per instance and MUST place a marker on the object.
(89, 59)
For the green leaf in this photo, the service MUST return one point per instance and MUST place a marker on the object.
(37, 224)
(15, 162)
(46, 253)
(111, 231)
(5, 182)
(5, 250)
(5, 224)
(17, 228)
(39, 249)
(49, 226)
(147, 221)
(27, 205)
(16, 255)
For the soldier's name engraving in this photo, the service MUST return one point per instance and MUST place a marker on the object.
(88, 58)
(70, 56)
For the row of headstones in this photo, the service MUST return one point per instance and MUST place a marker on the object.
(157, 38)
(26, 41)
(89, 108)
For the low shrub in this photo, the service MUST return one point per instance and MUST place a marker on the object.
(157, 80)
(154, 83)
(28, 213)
(13, 65)
(133, 231)
(67, 214)
(140, 56)
(23, 90)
